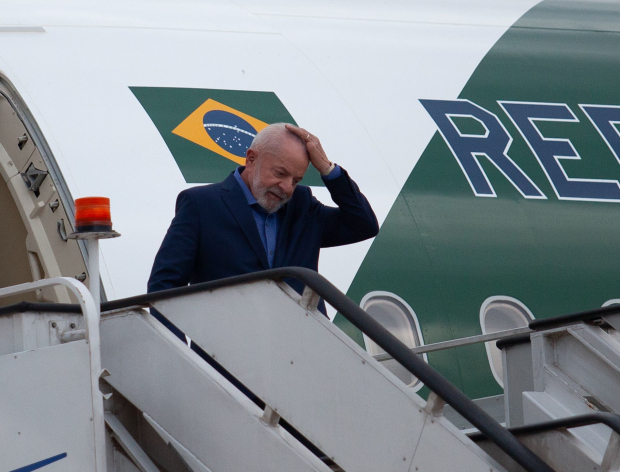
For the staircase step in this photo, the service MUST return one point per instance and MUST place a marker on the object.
(221, 427)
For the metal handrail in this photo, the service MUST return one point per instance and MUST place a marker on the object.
(23, 307)
(609, 419)
(533, 326)
(375, 331)
(459, 342)
(93, 339)
(589, 315)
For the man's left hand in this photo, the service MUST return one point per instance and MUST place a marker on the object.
(318, 158)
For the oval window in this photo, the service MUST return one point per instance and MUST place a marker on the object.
(394, 314)
(613, 301)
(501, 313)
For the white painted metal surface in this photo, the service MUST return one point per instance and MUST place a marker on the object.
(318, 379)
(591, 358)
(571, 378)
(32, 330)
(46, 409)
(130, 445)
(518, 378)
(221, 427)
(559, 449)
(190, 459)
(93, 271)
(443, 447)
(575, 370)
(590, 441)
(91, 316)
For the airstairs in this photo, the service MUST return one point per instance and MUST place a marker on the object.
(283, 389)
(566, 378)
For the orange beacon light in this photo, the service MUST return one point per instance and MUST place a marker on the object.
(93, 219)
(92, 214)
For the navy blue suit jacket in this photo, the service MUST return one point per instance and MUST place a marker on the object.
(214, 235)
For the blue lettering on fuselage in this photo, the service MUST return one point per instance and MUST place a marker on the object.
(40, 464)
(604, 118)
(496, 140)
(549, 151)
(468, 148)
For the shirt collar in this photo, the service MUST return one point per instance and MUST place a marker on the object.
(246, 191)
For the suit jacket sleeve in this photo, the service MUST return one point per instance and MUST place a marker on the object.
(353, 220)
(177, 256)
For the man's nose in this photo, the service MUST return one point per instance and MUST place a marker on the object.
(287, 186)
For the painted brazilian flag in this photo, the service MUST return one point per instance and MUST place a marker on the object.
(208, 131)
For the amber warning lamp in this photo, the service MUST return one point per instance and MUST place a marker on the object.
(93, 222)
(93, 219)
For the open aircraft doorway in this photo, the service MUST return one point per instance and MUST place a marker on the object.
(33, 208)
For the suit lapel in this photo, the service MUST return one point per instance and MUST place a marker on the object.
(235, 200)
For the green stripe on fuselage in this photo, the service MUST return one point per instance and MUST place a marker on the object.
(445, 251)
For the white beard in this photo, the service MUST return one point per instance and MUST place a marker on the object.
(260, 193)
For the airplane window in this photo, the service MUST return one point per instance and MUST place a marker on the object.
(500, 314)
(613, 301)
(398, 318)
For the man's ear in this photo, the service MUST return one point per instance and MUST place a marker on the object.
(250, 157)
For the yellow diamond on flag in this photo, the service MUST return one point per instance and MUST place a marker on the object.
(221, 129)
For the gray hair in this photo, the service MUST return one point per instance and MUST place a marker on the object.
(270, 137)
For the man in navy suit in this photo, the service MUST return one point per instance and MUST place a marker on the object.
(260, 218)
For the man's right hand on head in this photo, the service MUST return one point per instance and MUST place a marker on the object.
(318, 158)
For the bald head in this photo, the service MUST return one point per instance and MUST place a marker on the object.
(275, 163)
(272, 137)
